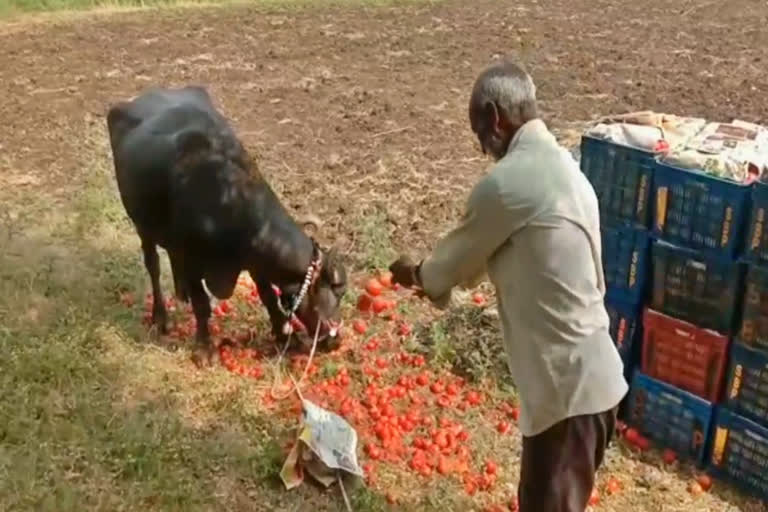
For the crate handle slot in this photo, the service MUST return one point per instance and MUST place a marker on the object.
(684, 334)
(697, 265)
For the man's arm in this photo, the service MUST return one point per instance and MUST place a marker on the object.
(462, 255)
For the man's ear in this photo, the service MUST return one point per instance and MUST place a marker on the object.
(191, 142)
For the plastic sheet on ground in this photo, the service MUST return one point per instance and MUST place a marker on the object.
(326, 444)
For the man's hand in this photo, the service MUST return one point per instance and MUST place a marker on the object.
(404, 272)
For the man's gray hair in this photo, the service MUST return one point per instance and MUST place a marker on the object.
(510, 87)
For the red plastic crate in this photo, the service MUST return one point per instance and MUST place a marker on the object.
(686, 356)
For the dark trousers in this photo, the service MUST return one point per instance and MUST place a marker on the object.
(557, 473)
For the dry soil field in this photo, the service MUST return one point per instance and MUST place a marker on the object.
(358, 114)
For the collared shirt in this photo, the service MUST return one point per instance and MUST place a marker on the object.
(532, 224)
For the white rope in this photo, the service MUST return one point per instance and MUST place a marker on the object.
(278, 372)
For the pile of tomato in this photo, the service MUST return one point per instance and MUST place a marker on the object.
(409, 416)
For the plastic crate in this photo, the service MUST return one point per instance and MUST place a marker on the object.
(626, 258)
(756, 246)
(669, 416)
(622, 178)
(740, 453)
(684, 355)
(747, 387)
(700, 289)
(625, 327)
(699, 211)
(754, 315)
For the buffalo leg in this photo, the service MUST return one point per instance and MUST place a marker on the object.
(179, 280)
(152, 262)
(201, 306)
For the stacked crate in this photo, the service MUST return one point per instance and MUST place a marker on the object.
(692, 314)
(740, 435)
(622, 179)
(693, 224)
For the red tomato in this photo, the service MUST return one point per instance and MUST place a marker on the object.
(382, 363)
(437, 387)
(364, 303)
(514, 413)
(502, 427)
(386, 279)
(444, 402)
(704, 481)
(613, 486)
(373, 287)
(513, 505)
(404, 329)
(478, 298)
(380, 305)
(594, 498)
(631, 435)
(373, 451)
(473, 398)
(643, 443)
(422, 379)
(443, 466)
(669, 457)
(359, 326)
(452, 389)
(491, 468)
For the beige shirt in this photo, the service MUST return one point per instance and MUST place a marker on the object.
(532, 224)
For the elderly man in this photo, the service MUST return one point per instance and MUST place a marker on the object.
(532, 224)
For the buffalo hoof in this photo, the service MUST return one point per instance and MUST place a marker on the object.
(205, 356)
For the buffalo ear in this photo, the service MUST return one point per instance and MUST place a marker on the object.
(191, 142)
(336, 271)
(311, 224)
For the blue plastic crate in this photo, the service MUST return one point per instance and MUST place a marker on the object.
(626, 255)
(699, 211)
(622, 178)
(625, 328)
(698, 288)
(746, 392)
(756, 246)
(754, 313)
(670, 417)
(740, 453)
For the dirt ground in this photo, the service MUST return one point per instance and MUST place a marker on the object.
(359, 116)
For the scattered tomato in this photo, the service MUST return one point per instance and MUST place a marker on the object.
(359, 326)
(364, 303)
(631, 435)
(669, 457)
(373, 287)
(491, 468)
(613, 486)
(594, 498)
(380, 305)
(385, 278)
(502, 427)
(704, 481)
(478, 298)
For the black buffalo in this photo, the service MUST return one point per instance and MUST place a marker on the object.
(190, 187)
